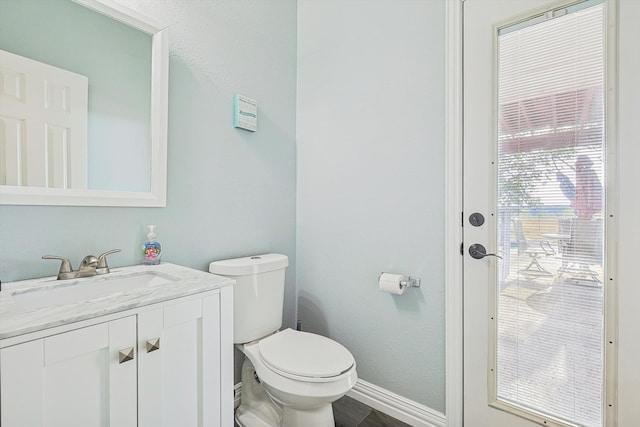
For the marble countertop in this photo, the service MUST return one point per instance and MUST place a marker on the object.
(174, 281)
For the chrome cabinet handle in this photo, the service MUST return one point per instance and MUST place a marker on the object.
(125, 355)
(477, 251)
(153, 344)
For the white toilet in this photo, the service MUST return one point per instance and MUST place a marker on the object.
(301, 373)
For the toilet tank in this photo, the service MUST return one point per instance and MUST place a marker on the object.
(258, 294)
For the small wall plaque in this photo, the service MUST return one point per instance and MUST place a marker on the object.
(246, 113)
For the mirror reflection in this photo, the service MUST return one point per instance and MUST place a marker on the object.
(116, 61)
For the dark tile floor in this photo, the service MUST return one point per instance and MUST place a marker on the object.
(348, 412)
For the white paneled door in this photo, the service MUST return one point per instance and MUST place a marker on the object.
(43, 124)
(539, 151)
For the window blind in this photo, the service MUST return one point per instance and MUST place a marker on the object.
(550, 177)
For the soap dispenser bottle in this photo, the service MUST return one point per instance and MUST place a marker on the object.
(152, 249)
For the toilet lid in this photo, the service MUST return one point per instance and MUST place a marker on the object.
(304, 354)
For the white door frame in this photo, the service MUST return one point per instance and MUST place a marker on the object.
(453, 214)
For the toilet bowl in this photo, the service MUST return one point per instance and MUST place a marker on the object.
(303, 372)
(291, 378)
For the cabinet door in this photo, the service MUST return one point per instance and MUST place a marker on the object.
(179, 364)
(71, 379)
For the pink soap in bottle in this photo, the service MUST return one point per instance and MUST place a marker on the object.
(152, 249)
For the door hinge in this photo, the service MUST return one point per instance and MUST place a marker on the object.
(462, 248)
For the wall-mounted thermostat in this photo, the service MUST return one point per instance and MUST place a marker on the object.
(246, 113)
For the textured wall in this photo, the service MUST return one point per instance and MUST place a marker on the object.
(370, 185)
(370, 170)
(230, 192)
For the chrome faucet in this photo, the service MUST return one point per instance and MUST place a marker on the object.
(89, 266)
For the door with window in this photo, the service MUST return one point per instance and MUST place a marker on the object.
(537, 159)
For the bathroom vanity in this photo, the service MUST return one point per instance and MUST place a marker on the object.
(140, 346)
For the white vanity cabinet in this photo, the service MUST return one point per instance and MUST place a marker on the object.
(166, 364)
(71, 379)
(179, 364)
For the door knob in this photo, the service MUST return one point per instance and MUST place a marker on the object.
(477, 251)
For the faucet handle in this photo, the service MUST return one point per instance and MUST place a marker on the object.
(65, 267)
(102, 261)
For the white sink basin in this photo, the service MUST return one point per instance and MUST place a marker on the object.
(41, 303)
(90, 289)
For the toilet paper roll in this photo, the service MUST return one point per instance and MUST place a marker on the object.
(389, 282)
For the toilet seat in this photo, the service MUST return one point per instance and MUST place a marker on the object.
(304, 356)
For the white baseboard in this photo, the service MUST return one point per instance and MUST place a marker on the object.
(392, 404)
(398, 407)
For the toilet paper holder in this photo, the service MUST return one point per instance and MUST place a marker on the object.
(411, 282)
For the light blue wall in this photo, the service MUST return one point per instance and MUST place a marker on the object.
(370, 171)
(230, 193)
(370, 185)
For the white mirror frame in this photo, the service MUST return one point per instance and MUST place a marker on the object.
(157, 197)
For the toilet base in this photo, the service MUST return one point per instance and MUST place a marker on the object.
(256, 408)
(319, 417)
(248, 419)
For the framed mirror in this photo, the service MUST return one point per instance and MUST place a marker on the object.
(83, 104)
